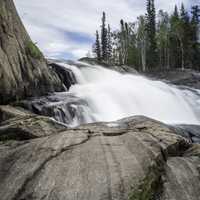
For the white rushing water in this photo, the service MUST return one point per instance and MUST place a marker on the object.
(111, 96)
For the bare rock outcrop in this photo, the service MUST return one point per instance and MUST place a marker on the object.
(135, 158)
(23, 69)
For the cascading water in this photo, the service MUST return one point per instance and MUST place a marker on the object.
(110, 96)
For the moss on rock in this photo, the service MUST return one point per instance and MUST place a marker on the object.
(33, 50)
(150, 187)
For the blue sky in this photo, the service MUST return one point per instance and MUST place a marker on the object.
(65, 28)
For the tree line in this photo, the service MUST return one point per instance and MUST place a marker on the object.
(154, 41)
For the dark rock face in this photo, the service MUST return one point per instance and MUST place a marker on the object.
(136, 158)
(23, 69)
(65, 75)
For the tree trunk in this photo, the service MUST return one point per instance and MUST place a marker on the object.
(143, 55)
(182, 56)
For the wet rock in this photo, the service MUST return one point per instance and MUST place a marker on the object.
(65, 75)
(63, 107)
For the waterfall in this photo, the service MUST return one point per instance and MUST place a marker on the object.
(110, 95)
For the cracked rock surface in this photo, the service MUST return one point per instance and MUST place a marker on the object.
(135, 158)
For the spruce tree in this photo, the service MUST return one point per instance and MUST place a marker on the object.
(104, 41)
(97, 47)
(109, 45)
(176, 14)
(151, 35)
(122, 45)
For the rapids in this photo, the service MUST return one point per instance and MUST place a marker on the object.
(111, 95)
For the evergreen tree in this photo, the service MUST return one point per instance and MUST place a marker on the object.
(176, 14)
(151, 35)
(97, 47)
(109, 45)
(104, 41)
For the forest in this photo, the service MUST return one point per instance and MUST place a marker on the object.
(155, 41)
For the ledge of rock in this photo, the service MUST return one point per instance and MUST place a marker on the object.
(18, 124)
(135, 158)
(187, 77)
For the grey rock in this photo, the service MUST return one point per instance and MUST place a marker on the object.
(187, 77)
(7, 112)
(126, 159)
(182, 179)
(21, 125)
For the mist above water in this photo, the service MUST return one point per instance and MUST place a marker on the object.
(111, 95)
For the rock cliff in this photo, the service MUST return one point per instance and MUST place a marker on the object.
(23, 69)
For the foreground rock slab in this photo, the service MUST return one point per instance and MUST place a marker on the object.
(135, 158)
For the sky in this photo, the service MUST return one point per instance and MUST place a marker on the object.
(65, 29)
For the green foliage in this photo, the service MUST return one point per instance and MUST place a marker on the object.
(33, 50)
(151, 35)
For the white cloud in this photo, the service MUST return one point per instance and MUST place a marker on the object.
(46, 20)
